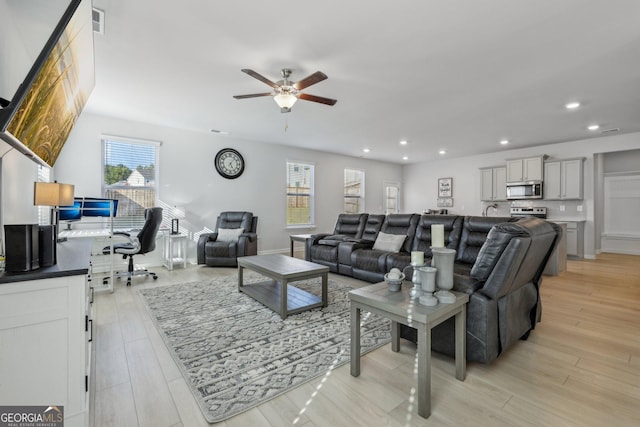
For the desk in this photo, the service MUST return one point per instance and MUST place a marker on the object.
(401, 309)
(174, 250)
(298, 238)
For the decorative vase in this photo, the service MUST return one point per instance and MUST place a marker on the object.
(442, 259)
(428, 280)
(416, 278)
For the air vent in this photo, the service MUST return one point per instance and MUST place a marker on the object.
(610, 130)
(97, 17)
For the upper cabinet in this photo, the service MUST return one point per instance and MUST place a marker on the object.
(493, 183)
(563, 179)
(527, 169)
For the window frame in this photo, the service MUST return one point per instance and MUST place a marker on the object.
(310, 195)
(360, 196)
(130, 220)
(385, 186)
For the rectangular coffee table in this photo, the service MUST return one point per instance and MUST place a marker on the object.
(278, 294)
(401, 309)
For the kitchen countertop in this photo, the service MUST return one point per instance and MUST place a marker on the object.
(73, 260)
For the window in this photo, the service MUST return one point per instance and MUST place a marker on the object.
(130, 173)
(391, 196)
(300, 194)
(353, 191)
(44, 212)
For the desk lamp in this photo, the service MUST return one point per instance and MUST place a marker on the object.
(53, 194)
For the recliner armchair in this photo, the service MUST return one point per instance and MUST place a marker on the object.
(142, 243)
(235, 236)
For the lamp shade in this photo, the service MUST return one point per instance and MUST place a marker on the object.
(52, 194)
(285, 100)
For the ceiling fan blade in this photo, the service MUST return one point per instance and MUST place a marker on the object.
(260, 77)
(253, 95)
(320, 99)
(314, 78)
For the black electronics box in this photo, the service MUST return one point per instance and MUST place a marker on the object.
(22, 248)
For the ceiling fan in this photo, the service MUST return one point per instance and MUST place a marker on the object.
(286, 92)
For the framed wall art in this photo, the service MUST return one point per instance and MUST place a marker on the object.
(445, 187)
(445, 202)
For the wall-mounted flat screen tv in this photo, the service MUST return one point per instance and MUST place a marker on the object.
(38, 119)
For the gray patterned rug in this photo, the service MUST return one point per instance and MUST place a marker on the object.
(236, 353)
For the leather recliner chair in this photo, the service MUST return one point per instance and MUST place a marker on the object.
(222, 248)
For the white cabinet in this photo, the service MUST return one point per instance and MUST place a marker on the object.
(493, 184)
(575, 238)
(526, 169)
(45, 342)
(563, 179)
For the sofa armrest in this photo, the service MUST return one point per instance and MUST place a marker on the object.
(202, 241)
(346, 248)
(247, 244)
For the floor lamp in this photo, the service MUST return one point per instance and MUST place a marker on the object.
(53, 194)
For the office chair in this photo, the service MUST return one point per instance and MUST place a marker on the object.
(144, 242)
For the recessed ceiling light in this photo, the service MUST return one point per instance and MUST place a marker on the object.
(403, 142)
(504, 141)
(405, 157)
(593, 127)
(442, 152)
(366, 150)
(572, 105)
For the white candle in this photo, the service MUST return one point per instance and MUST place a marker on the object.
(417, 257)
(437, 235)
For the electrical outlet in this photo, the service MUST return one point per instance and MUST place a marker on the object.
(579, 208)
(561, 208)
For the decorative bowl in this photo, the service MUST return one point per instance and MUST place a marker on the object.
(394, 284)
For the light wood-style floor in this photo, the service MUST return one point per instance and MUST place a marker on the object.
(580, 367)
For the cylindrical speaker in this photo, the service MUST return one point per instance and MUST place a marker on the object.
(22, 247)
(47, 242)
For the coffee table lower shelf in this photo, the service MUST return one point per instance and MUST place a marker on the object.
(269, 293)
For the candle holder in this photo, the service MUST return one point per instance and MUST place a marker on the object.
(443, 260)
(428, 278)
(416, 291)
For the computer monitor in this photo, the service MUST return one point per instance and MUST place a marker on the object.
(71, 213)
(99, 207)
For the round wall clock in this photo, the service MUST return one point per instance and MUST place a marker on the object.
(229, 163)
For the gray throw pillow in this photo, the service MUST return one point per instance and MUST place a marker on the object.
(229, 234)
(389, 242)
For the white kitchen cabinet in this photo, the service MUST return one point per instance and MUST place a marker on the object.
(45, 341)
(563, 179)
(525, 169)
(575, 238)
(493, 183)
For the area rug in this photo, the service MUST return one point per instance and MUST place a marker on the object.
(236, 353)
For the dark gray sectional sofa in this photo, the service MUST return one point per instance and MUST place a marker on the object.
(499, 263)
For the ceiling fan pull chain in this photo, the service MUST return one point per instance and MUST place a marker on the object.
(286, 123)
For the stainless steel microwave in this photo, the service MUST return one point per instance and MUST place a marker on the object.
(524, 190)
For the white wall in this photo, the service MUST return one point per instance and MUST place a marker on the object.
(188, 177)
(420, 190)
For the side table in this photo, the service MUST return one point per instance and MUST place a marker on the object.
(174, 250)
(401, 309)
(298, 238)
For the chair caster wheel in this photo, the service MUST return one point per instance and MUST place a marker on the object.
(128, 283)
(155, 277)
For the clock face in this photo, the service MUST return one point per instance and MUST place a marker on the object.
(229, 163)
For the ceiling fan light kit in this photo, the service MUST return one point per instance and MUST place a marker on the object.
(285, 92)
